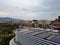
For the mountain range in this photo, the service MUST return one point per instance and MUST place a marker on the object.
(8, 18)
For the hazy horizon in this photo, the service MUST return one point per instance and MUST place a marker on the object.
(30, 9)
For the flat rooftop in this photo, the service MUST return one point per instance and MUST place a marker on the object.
(47, 34)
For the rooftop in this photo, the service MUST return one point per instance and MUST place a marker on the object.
(48, 34)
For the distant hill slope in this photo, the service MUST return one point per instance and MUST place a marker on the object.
(8, 18)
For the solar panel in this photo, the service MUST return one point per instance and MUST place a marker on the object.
(56, 39)
(43, 35)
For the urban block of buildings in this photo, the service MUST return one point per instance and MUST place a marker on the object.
(55, 24)
(35, 23)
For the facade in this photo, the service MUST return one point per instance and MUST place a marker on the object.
(56, 23)
(35, 36)
(35, 23)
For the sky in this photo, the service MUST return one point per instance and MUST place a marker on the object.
(30, 9)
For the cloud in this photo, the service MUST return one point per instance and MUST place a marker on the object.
(30, 9)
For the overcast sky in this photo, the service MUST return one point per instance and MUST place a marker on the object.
(30, 9)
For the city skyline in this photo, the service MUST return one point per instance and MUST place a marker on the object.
(30, 9)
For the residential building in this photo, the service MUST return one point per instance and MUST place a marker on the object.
(56, 23)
